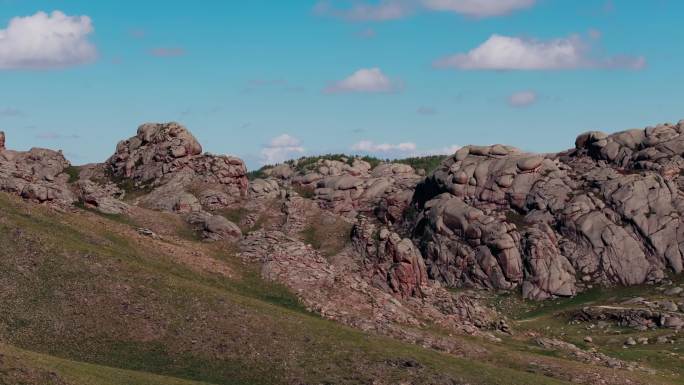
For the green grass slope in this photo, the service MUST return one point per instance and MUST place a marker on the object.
(84, 300)
(23, 367)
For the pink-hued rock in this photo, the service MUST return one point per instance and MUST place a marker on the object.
(38, 174)
(167, 156)
(609, 210)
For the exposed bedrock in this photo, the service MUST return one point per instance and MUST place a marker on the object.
(38, 174)
(161, 151)
(607, 212)
(166, 161)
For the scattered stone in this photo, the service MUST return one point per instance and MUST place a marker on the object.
(583, 355)
(630, 341)
(668, 306)
(214, 227)
(148, 233)
(663, 340)
(674, 291)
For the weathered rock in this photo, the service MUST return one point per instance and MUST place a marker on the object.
(104, 198)
(214, 227)
(264, 189)
(38, 175)
(640, 318)
(281, 171)
(674, 291)
(351, 187)
(484, 252)
(609, 211)
(586, 356)
(340, 293)
(160, 151)
(547, 272)
(395, 264)
(2, 140)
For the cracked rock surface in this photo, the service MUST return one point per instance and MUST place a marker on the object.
(607, 212)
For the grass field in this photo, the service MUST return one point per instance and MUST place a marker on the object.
(85, 300)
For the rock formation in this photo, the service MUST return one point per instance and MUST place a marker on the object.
(608, 212)
(37, 174)
(166, 160)
(393, 264)
(167, 153)
(104, 198)
(264, 189)
(347, 186)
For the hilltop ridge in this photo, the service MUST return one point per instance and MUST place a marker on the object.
(379, 246)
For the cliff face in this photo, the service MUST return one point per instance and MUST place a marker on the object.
(607, 212)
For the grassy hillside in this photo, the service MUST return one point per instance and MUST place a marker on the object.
(87, 300)
(86, 289)
(23, 367)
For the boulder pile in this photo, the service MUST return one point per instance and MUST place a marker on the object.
(166, 161)
(393, 263)
(161, 151)
(38, 174)
(607, 212)
(347, 186)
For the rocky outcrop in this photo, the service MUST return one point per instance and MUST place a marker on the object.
(38, 174)
(589, 356)
(104, 198)
(214, 227)
(638, 317)
(160, 151)
(165, 161)
(608, 212)
(353, 186)
(264, 189)
(393, 263)
(339, 292)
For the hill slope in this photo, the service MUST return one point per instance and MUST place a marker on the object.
(86, 288)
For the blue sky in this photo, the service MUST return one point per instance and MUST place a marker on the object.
(266, 80)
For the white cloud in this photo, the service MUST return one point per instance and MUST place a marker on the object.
(399, 150)
(479, 8)
(280, 149)
(514, 53)
(370, 146)
(522, 99)
(368, 80)
(46, 41)
(444, 150)
(385, 10)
